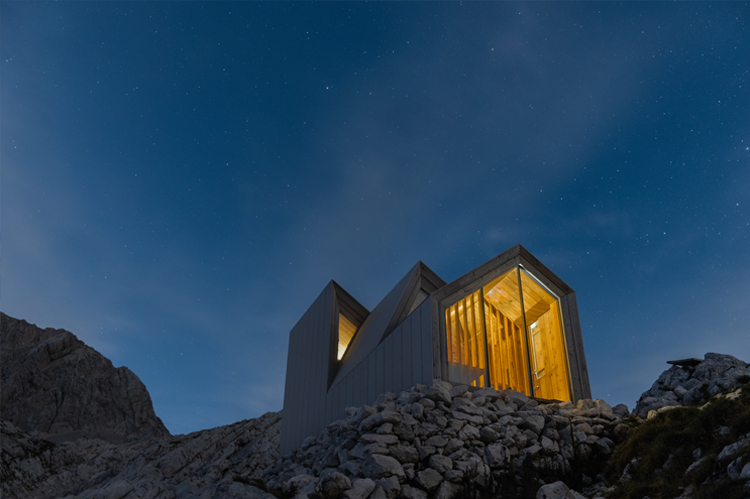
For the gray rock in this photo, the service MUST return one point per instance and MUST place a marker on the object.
(428, 404)
(374, 438)
(497, 455)
(556, 490)
(438, 393)
(441, 463)
(417, 410)
(409, 492)
(534, 423)
(437, 441)
(379, 418)
(448, 490)
(238, 490)
(469, 432)
(55, 384)
(453, 445)
(516, 398)
(360, 489)
(454, 476)
(390, 486)
(729, 451)
(425, 451)
(745, 473)
(379, 466)
(714, 374)
(621, 410)
(487, 392)
(404, 453)
(379, 493)
(488, 435)
(459, 391)
(334, 484)
(428, 479)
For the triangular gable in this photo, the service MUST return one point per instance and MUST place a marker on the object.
(387, 315)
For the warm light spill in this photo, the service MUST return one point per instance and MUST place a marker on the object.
(346, 332)
(497, 328)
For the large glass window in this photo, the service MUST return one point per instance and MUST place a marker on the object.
(515, 323)
(466, 349)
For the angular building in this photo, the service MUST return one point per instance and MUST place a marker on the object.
(510, 323)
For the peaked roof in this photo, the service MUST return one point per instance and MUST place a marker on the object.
(388, 314)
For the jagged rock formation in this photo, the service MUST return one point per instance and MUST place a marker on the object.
(693, 385)
(54, 384)
(215, 463)
(446, 441)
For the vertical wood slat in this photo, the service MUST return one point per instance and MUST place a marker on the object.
(416, 347)
(473, 330)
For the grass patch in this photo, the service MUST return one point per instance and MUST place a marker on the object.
(664, 448)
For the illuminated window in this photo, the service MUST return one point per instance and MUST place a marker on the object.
(346, 332)
(466, 349)
(515, 323)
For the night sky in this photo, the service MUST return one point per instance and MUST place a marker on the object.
(179, 181)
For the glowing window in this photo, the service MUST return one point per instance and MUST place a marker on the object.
(515, 323)
(346, 332)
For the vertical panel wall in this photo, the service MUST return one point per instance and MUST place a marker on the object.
(305, 397)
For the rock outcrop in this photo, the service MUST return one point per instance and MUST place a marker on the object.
(447, 441)
(216, 463)
(693, 385)
(54, 384)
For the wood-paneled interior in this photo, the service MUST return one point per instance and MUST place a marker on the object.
(465, 338)
(525, 340)
(547, 341)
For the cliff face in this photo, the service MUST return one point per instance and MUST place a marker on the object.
(54, 384)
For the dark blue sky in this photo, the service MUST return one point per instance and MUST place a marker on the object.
(180, 180)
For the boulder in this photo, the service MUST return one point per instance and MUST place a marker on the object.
(360, 489)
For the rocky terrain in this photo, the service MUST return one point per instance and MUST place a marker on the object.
(52, 383)
(688, 437)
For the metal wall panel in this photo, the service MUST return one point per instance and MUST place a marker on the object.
(379, 369)
(426, 348)
(416, 347)
(371, 375)
(406, 372)
(390, 362)
(305, 394)
(398, 363)
(348, 402)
